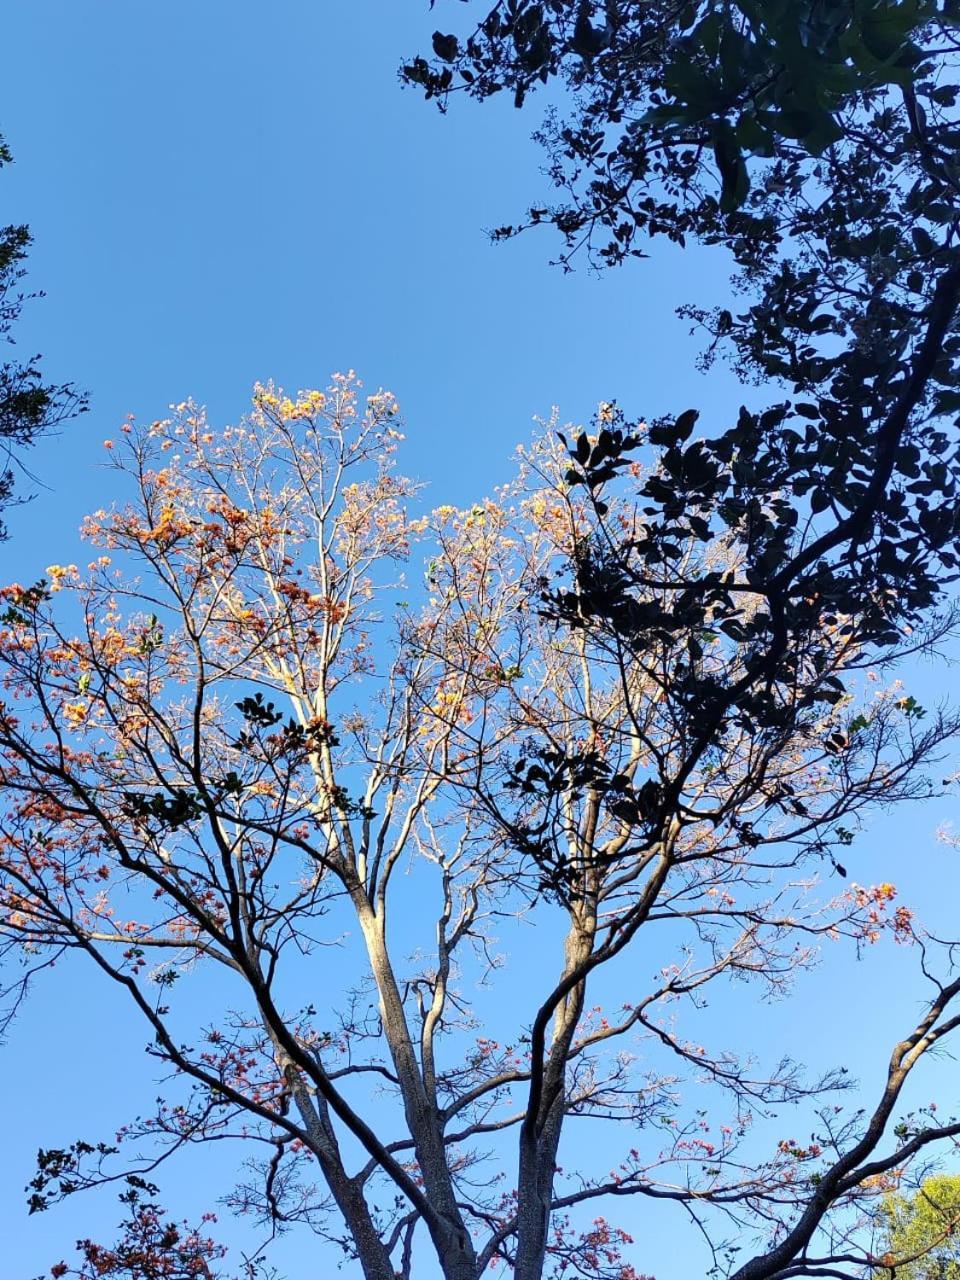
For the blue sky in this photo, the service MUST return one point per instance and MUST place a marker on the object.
(229, 191)
(219, 196)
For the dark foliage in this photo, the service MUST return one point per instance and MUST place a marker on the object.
(816, 142)
(29, 406)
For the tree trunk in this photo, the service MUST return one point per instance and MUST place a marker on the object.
(540, 1136)
(451, 1239)
(373, 1256)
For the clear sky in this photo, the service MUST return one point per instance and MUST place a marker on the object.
(223, 191)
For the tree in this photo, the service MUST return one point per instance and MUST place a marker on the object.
(152, 1247)
(816, 143)
(688, 118)
(243, 757)
(28, 406)
(922, 1232)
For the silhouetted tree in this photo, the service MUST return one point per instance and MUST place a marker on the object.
(29, 406)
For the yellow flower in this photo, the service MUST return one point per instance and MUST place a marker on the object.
(58, 573)
(75, 713)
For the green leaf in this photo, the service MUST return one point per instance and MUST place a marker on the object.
(685, 423)
(752, 136)
(734, 178)
(445, 47)
(923, 241)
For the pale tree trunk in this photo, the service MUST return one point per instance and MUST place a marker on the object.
(451, 1239)
(540, 1135)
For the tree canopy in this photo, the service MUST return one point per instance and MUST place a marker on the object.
(923, 1232)
(242, 741)
(817, 145)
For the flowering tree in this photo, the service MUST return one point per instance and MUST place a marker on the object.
(302, 810)
(152, 1247)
